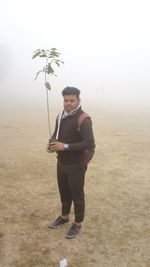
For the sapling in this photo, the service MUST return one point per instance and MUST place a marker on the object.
(51, 59)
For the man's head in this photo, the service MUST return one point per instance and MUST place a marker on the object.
(71, 98)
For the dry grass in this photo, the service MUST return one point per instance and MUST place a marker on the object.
(116, 230)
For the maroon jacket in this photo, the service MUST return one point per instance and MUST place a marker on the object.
(78, 139)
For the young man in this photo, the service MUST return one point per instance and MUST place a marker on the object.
(75, 140)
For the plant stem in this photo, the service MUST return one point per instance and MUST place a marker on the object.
(47, 98)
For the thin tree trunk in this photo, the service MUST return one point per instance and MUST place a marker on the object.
(48, 113)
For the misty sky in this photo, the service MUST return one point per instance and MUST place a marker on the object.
(105, 46)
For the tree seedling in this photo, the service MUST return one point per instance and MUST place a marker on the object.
(51, 59)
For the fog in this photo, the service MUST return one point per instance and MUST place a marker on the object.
(105, 46)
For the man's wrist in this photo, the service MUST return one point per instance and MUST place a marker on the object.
(66, 146)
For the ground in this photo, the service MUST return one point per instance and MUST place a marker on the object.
(116, 230)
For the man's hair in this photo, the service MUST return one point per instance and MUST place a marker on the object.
(71, 91)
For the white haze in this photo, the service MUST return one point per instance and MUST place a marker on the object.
(105, 46)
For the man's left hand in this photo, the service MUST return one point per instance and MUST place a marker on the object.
(57, 146)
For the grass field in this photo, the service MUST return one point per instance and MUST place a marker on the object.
(116, 230)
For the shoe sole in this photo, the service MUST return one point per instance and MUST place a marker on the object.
(70, 237)
(58, 226)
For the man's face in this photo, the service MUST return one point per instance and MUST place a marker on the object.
(70, 102)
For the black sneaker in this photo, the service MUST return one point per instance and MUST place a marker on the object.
(58, 222)
(73, 231)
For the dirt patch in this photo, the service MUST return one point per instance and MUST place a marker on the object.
(116, 230)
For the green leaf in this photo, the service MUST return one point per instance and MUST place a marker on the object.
(49, 69)
(47, 85)
(57, 63)
(53, 53)
(43, 55)
(36, 53)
